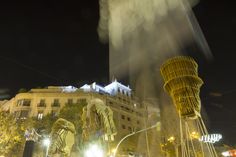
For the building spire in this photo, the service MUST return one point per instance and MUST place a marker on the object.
(113, 79)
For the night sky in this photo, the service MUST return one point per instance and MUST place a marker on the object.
(56, 43)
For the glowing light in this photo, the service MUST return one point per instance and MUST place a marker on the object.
(68, 89)
(46, 142)
(171, 139)
(113, 150)
(94, 151)
(225, 153)
(194, 135)
(211, 138)
(229, 153)
(112, 89)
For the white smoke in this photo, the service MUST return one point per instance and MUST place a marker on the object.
(141, 35)
(139, 28)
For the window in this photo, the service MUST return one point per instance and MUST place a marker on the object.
(127, 108)
(42, 103)
(56, 103)
(26, 102)
(130, 129)
(81, 101)
(138, 122)
(70, 101)
(40, 115)
(19, 102)
(56, 100)
(123, 116)
(23, 102)
(128, 118)
(123, 126)
(24, 114)
(112, 104)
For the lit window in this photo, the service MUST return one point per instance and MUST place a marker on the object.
(40, 115)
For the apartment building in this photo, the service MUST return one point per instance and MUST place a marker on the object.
(129, 113)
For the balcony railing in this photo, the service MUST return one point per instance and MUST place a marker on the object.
(55, 104)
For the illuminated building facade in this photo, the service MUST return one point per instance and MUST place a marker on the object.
(129, 114)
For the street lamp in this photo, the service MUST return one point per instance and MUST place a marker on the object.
(131, 134)
(94, 151)
(46, 143)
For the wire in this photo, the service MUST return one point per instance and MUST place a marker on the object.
(10, 60)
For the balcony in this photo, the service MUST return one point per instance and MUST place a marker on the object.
(41, 105)
(55, 105)
(23, 107)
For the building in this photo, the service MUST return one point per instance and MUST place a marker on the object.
(129, 113)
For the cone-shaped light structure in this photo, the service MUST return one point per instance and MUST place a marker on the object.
(182, 83)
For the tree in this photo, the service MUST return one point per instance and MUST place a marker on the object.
(11, 135)
(44, 126)
(73, 113)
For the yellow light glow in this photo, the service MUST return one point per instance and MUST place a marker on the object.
(113, 150)
(94, 151)
(171, 139)
(194, 135)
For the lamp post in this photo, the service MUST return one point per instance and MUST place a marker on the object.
(31, 137)
(131, 134)
(46, 143)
